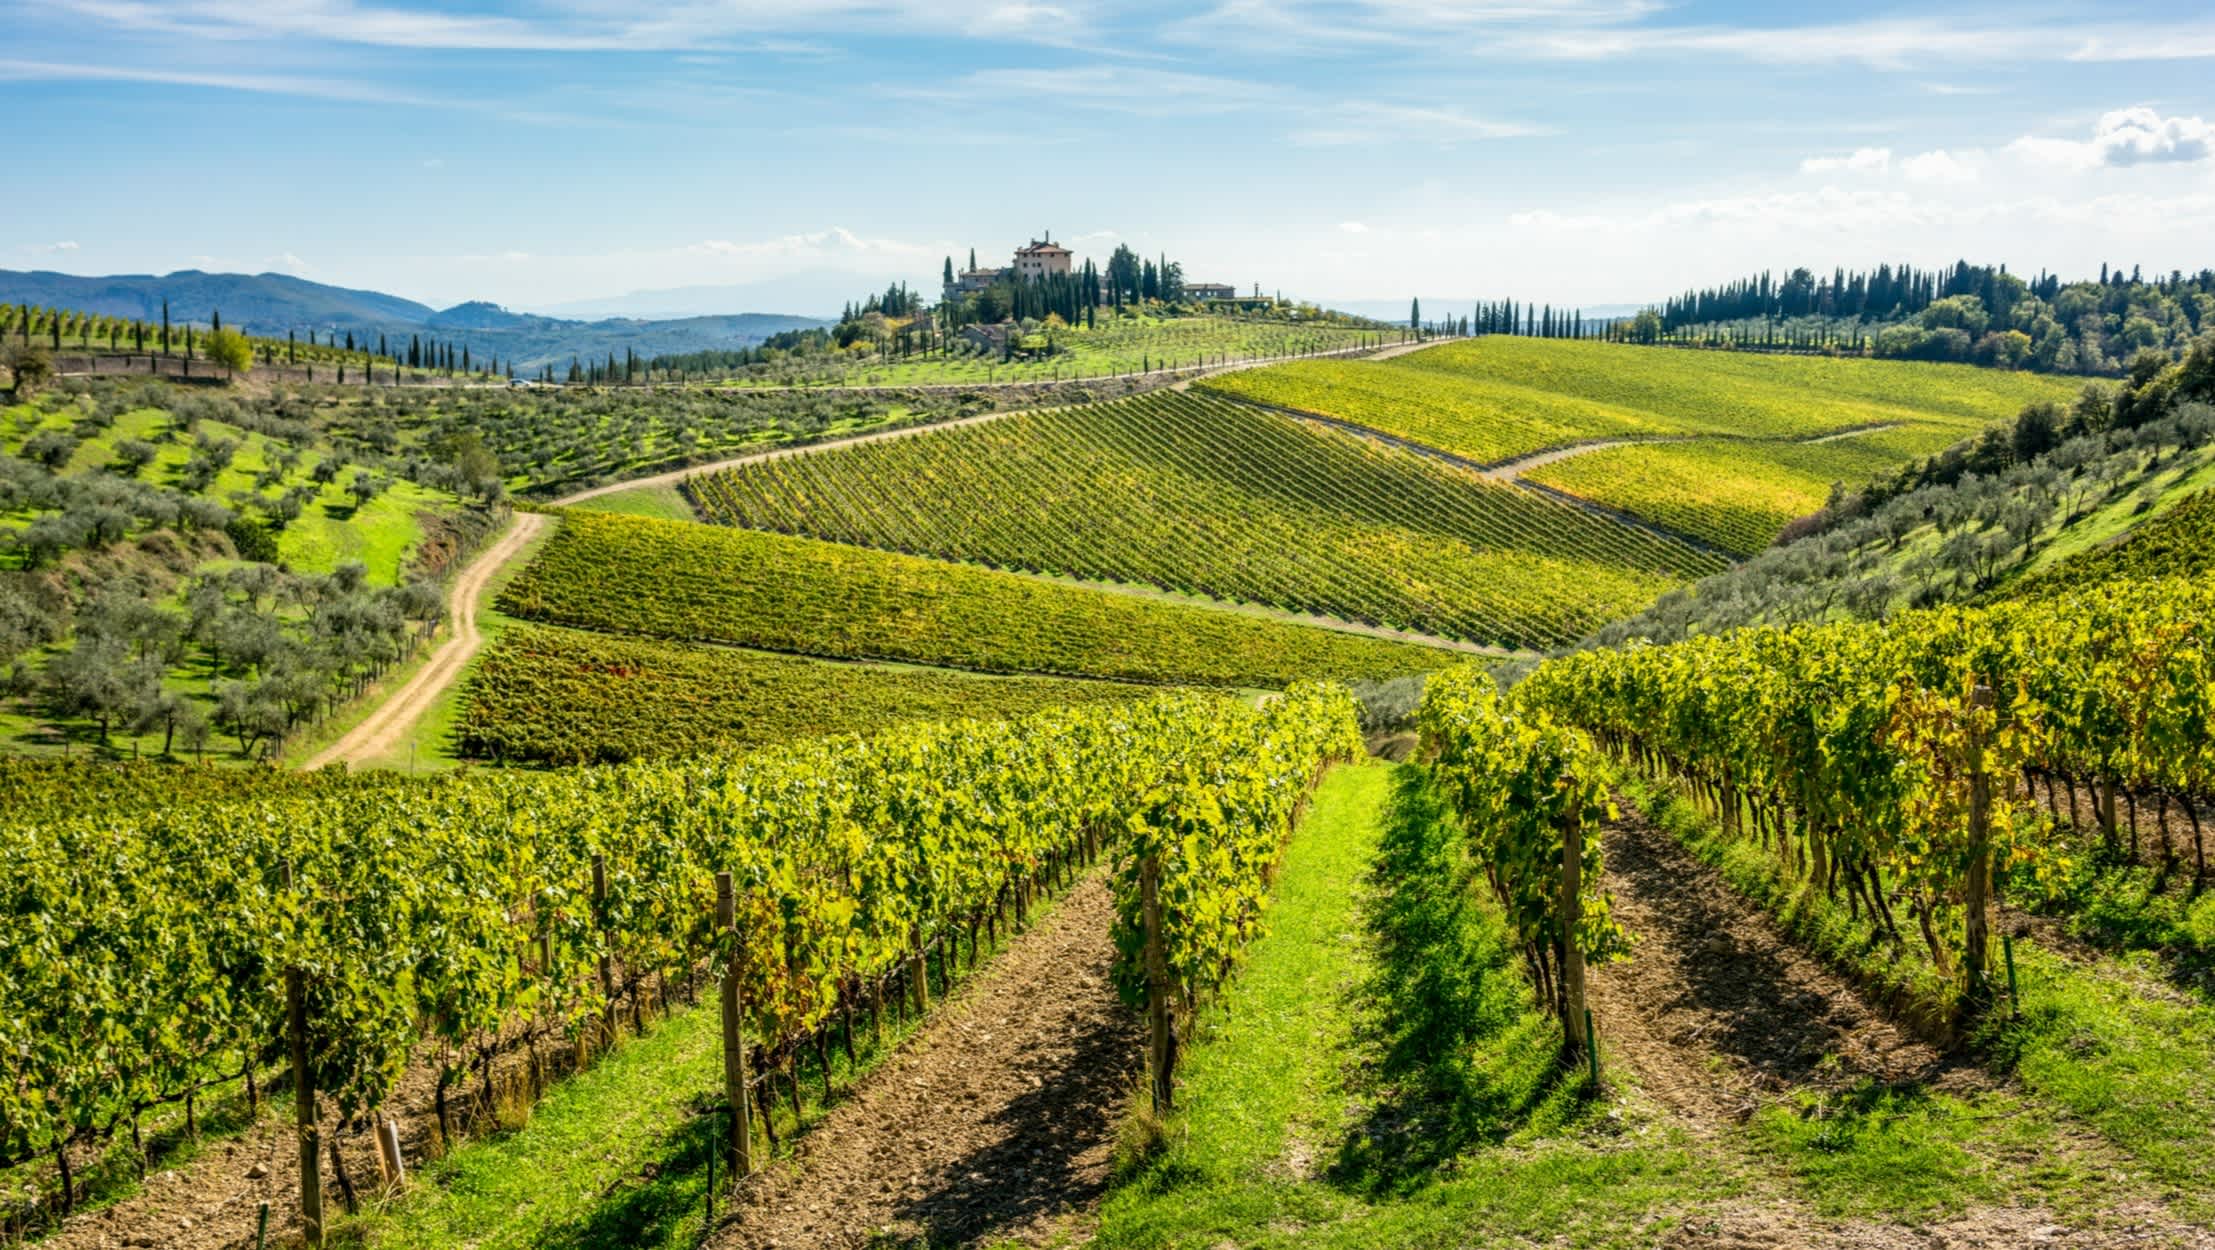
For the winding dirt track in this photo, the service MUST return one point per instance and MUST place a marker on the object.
(391, 722)
(996, 1123)
(676, 476)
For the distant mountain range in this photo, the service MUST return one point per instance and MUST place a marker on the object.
(273, 304)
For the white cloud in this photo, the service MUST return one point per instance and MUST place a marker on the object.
(1938, 165)
(1861, 161)
(2129, 136)
(1353, 227)
(66, 245)
(286, 262)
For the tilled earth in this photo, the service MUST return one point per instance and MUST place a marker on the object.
(996, 1123)
(1718, 1012)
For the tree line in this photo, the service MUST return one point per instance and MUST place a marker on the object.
(1976, 313)
(25, 326)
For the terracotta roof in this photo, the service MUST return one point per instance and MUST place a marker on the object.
(1036, 248)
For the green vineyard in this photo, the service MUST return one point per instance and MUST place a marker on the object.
(358, 924)
(1500, 397)
(699, 583)
(1734, 493)
(1202, 494)
(557, 696)
(1901, 760)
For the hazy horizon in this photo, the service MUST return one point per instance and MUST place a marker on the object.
(540, 154)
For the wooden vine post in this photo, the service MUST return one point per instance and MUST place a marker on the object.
(919, 974)
(1160, 1045)
(1572, 954)
(303, 1097)
(607, 961)
(1977, 887)
(740, 1123)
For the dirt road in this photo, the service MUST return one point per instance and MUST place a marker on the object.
(995, 1124)
(393, 719)
(677, 476)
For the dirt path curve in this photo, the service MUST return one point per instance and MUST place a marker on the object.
(1513, 470)
(996, 1123)
(1873, 427)
(676, 476)
(1402, 349)
(385, 727)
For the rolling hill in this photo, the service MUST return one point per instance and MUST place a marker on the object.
(274, 304)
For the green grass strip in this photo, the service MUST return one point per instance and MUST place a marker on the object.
(1323, 1107)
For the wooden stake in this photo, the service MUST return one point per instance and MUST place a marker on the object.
(607, 962)
(740, 1124)
(1977, 886)
(388, 1153)
(1159, 1054)
(303, 1099)
(1571, 906)
(920, 975)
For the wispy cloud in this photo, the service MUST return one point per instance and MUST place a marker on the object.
(1133, 91)
(273, 84)
(1876, 213)
(1366, 122)
(1885, 43)
(691, 26)
(1338, 25)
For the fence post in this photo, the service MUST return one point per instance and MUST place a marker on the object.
(1571, 907)
(1159, 1048)
(740, 1130)
(607, 961)
(920, 974)
(388, 1152)
(1977, 889)
(303, 1097)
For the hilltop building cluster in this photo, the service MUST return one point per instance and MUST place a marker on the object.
(1042, 260)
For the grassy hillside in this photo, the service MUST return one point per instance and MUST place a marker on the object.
(1114, 345)
(1499, 397)
(560, 696)
(1735, 493)
(180, 573)
(2057, 520)
(701, 583)
(1197, 493)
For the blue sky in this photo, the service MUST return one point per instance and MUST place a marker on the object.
(536, 153)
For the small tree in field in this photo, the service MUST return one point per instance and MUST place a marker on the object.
(230, 349)
(29, 368)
